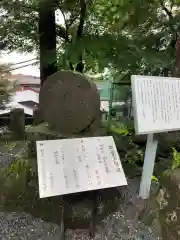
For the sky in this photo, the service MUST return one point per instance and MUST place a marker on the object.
(15, 57)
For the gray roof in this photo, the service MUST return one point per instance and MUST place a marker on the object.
(25, 79)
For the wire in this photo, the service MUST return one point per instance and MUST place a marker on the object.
(22, 62)
(23, 66)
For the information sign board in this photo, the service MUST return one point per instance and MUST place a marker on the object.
(80, 164)
(156, 104)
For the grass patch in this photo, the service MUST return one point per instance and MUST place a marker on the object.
(19, 191)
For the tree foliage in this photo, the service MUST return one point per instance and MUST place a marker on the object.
(6, 87)
(127, 37)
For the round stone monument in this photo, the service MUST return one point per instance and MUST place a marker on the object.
(70, 103)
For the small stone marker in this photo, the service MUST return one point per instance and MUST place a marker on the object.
(156, 105)
(80, 164)
(17, 123)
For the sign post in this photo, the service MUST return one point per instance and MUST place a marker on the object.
(156, 104)
(67, 166)
(148, 167)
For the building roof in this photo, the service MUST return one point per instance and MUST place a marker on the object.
(27, 110)
(26, 95)
(23, 88)
(19, 98)
(25, 79)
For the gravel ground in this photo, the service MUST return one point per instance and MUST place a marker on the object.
(123, 225)
(126, 223)
(16, 226)
(23, 226)
(6, 159)
(9, 156)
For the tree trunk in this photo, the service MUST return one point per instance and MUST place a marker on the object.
(176, 70)
(80, 65)
(47, 39)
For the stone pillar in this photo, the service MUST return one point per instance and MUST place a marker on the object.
(17, 124)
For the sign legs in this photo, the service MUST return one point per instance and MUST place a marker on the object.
(148, 167)
(92, 227)
(62, 227)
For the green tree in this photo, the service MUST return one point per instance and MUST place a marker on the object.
(150, 27)
(124, 36)
(6, 87)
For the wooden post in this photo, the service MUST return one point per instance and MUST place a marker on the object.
(17, 123)
(32, 141)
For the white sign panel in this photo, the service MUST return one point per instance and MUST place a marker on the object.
(156, 103)
(76, 165)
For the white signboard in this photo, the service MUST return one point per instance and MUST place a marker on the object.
(76, 165)
(156, 103)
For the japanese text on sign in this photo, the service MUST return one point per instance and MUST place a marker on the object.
(91, 164)
(156, 104)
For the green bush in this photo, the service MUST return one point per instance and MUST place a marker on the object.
(176, 159)
(14, 180)
(19, 191)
